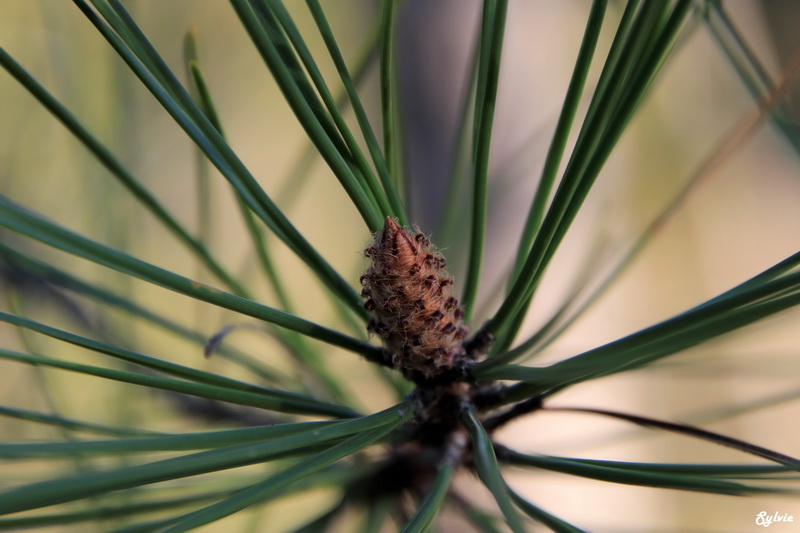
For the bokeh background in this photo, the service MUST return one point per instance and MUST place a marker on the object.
(741, 219)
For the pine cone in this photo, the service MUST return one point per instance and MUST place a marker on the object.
(406, 291)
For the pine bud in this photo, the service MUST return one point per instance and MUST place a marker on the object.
(406, 291)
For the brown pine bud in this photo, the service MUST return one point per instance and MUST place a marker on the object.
(406, 291)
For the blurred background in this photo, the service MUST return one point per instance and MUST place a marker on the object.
(741, 219)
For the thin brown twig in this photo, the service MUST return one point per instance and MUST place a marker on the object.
(690, 431)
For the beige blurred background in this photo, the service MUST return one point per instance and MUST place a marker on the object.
(741, 220)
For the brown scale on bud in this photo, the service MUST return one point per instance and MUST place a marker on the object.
(406, 291)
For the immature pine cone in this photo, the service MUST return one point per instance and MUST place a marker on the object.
(406, 292)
